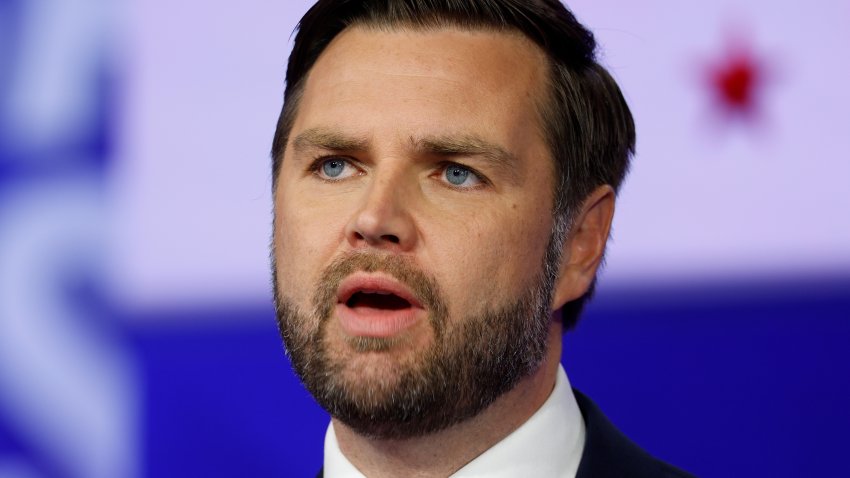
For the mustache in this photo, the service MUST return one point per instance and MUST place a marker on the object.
(423, 286)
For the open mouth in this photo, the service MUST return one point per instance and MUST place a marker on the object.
(376, 305)
(380, 300)
(376, 292)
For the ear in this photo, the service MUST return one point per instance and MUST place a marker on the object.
(585, 246)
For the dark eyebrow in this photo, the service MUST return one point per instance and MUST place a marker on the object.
(325, 138)
(448, 146)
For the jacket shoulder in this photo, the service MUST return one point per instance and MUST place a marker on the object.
(610, 454)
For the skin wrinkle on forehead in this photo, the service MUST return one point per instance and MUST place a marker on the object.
(411, 76)
(350, 80)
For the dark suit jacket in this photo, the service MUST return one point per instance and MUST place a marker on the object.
(610, 454)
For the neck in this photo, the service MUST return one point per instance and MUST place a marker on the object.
(444, 452)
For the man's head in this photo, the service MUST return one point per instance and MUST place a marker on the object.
(444, 176)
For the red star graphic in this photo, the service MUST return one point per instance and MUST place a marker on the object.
(736, 80)
(735, 83)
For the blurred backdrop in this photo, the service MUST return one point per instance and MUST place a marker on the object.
(137, 336)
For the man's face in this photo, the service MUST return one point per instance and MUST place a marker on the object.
(413, 214)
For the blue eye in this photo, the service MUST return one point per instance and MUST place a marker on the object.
(332, 168)
(458, 175)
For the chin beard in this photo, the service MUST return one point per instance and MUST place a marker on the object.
(467, 365)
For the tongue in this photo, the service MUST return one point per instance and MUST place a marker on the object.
(377, 301)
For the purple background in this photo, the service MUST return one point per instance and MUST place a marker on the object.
(136, 331)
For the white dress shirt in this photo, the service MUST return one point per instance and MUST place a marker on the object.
(549, 444)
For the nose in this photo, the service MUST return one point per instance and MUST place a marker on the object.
(383, 218)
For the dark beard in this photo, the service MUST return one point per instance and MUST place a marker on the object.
(468, 365)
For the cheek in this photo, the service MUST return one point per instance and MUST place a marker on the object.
(491, 259)
(303, 246)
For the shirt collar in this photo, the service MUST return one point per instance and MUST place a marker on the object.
(549, 444)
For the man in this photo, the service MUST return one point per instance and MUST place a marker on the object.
(444, 180)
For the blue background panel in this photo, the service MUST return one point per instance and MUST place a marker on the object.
(222, 401)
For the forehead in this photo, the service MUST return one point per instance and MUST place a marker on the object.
(411, 82)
